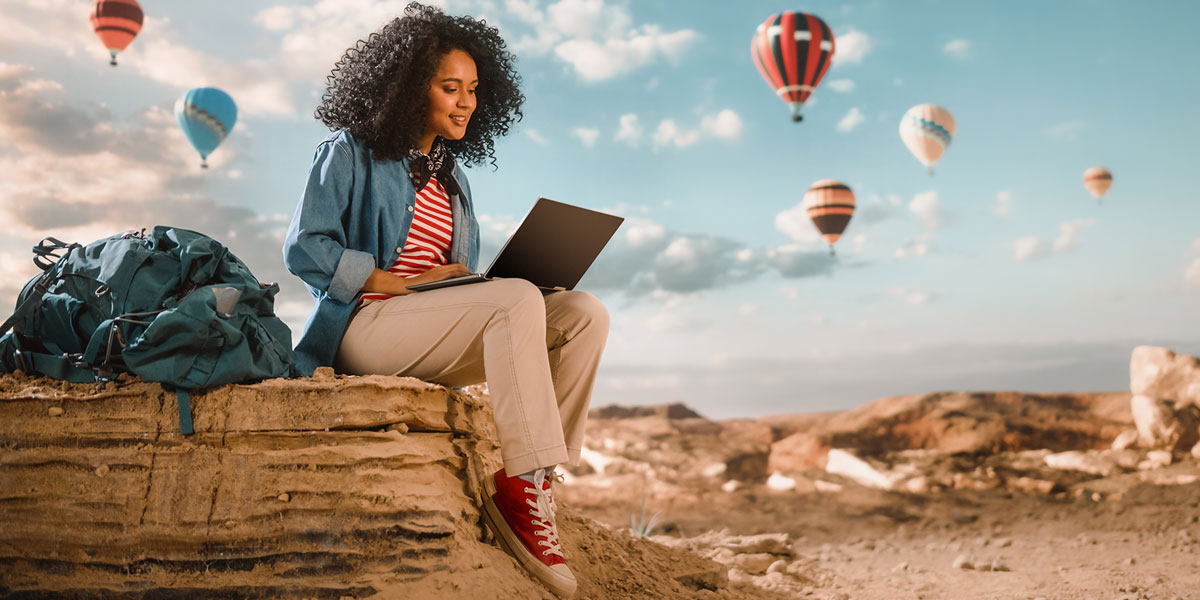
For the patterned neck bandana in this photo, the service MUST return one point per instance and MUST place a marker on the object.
(438, 162)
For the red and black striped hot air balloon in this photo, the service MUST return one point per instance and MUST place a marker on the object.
(116, 23)
(830, 204)
(792, 51)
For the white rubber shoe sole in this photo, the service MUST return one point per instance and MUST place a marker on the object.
(558, 578)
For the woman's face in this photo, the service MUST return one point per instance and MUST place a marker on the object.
(452, 96)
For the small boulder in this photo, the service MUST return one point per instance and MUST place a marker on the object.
(1161, 373)
(1126, 439)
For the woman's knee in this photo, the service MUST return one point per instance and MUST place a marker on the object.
(587, 306)
(516, 293)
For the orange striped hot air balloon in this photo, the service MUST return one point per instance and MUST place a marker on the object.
(830, 204)
(1097, 180)
(116, 23)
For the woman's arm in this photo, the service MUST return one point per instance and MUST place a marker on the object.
(382, 282)
(315, 248)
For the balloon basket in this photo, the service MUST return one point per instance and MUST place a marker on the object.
(204, 165)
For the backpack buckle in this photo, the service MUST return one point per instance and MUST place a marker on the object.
(77, 360)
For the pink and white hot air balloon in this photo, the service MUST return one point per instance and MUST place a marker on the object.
(927, 130)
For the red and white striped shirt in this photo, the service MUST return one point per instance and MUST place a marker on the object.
(428, 243)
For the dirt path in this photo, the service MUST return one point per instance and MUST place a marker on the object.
(863, 544)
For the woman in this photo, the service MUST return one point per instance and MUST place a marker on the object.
(386, 206)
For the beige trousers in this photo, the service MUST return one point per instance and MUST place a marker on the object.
(538, 353)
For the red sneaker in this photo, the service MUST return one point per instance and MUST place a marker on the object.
(521, 516)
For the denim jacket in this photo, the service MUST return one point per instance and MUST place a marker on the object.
(354, 217)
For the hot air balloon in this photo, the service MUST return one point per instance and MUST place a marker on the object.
(206, 116)
(1097, 180)
(792, 51)
(830, 204)
(116, 22)
(927, 130)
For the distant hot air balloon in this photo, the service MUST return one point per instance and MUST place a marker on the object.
(206, 116)
(792, 51)
(830, 204)
(927, 130)
(116, 22)
(1097, 180)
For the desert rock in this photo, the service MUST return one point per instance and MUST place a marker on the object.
(1160, 373)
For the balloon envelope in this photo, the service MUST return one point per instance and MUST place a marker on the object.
(927, 130)
(1097, 180)
(116, 23)
(206, 116)
(792, 51)
(830, 204)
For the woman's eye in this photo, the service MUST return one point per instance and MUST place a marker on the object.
(450, 90)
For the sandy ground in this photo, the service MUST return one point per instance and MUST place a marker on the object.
(865, 544)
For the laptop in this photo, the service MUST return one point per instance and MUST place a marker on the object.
(552, 248)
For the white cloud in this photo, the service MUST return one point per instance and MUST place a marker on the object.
(1032, 246)
(598, 40)
(790, 292)
(640, 232)
(919, 246)
(536, 137)
(928, 208)
(596, 61)
(588, 18)
(748, 309)
(629, 130)
(851, 120)
(1029, 248)
(1003, 205)
(669, 134)
(795, 223)
(958, 49)
(861, 242)
(1192, 273)
(841, 85)
(915, 296)
(586, 136)
(1067, 131)
(276, 18)
(851, 47)
(725, 124)
(1067, 233)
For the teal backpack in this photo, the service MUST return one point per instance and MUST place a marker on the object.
(174, 307)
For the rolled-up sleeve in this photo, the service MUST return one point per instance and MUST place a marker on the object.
(315, 248)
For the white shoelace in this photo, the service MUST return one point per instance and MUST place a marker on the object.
(543, 515)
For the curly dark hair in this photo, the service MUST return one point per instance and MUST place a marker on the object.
(378, 90)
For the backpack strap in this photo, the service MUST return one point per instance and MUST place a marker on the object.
(65, 367)
(185, 411)
(31, 302)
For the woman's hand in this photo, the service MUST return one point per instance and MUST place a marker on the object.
(382, 282)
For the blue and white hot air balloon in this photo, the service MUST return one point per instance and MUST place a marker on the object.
(206, 116)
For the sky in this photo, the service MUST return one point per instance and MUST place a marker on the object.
(998, 272)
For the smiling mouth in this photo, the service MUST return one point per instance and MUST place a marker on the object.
(459, 120)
